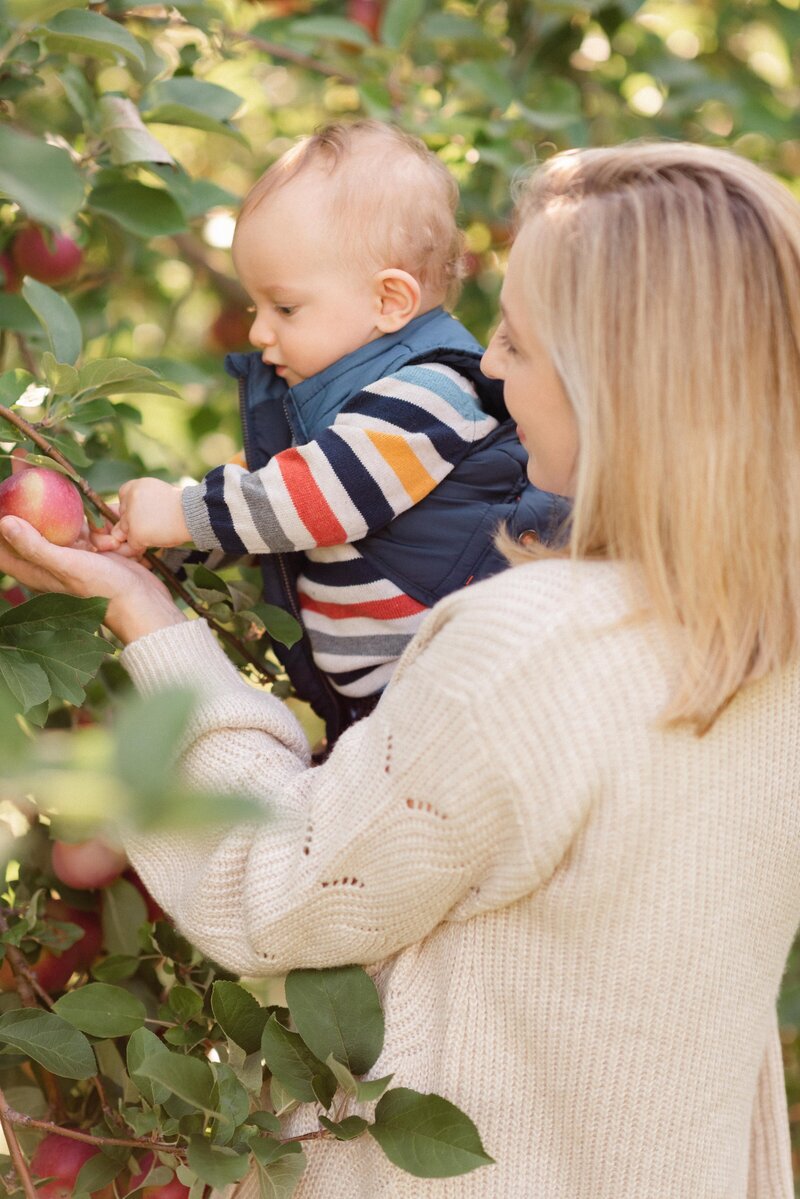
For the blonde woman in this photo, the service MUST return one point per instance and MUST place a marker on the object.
(578, 868)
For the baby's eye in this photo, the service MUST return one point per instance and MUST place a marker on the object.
(285, 309)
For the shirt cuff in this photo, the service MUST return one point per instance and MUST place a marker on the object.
(195, 513)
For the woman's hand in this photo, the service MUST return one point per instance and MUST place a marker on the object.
(138, 602)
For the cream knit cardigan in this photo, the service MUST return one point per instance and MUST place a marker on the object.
(578, 922)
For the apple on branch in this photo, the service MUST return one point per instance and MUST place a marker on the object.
(87, 865)
(60, 1159)
(50, 258)
(47, 500)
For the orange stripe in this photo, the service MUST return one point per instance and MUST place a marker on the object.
(391, 609)
(398, 454)
(309, 501)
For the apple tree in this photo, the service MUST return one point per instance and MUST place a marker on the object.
(128, 134)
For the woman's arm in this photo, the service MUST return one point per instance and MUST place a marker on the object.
(413, 818)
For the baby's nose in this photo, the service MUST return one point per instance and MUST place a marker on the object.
(261, 334)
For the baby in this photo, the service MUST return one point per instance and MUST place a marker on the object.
(380, 461)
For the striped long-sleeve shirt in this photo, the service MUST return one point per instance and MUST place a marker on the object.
(388, 448)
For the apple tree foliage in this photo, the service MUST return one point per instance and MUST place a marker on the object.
(133, 130)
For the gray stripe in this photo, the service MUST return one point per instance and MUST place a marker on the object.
(196, 515)
(269, 527)
(388, 645)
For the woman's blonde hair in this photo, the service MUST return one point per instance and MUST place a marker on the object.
(392, 200)
(664, 281)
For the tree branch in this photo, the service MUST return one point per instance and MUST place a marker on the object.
(160, 567)
(20, 1165)
(88, 1138)
(276, 50)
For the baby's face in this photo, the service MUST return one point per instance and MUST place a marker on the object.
(311, 306)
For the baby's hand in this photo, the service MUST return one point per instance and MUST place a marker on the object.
(150, 514)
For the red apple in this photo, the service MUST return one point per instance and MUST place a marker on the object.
(230, 330)
(52, 970)
(14, 596)
(86, 865)
(61, 1159)
(51, 259)
(47, 500)
(366, 13)
(11, 278)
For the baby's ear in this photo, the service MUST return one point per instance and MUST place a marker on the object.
(399, 297)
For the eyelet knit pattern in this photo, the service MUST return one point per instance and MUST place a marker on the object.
(577, 921)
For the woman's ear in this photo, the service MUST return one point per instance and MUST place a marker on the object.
(398, 297)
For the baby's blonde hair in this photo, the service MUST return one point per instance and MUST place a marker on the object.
(664, 281)
(392, 201)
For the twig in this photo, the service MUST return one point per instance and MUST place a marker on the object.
(19, 967)
(73, 1134)
(160, 567)
(276, 50)
(20, 1165)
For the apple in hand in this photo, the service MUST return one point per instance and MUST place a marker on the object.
(52, 259)
(86, 865)
(47, 500)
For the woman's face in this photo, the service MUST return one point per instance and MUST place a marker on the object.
(534, 395)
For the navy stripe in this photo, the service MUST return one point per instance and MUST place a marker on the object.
(219, 513)
(343, 677)
(359, 484)
(408, 418)
(341, 574)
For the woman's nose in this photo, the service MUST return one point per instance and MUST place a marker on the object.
(487, 362)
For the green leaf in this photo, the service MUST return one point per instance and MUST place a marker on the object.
(39, 177)
(81, 32)
(16, 315)
(54, 613)
(25, 680)
(279, 1179)
(57, 318)
(143, 1045)
(61, 378)
(363, 1092)
(123, 913)
(215, 1164)
(329, 28)
(280, 625)
(195, 196)
(187, 1077)
(399, 21)
(125, 131)
(143, 211)
(103, 373)
(184, 1003)
(31, 11)
(115, 968)
(148, 738)
(97, 1173)
(102, 1010)
(337, 1011)
(50, 1041)
(267, 1150)
(185, 92)
(426, 1135)
(291, 1061)
(12, 384)
(176, 114)
(239, 1014)
(347, 1129)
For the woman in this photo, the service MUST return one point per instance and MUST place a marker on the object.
(578, 866)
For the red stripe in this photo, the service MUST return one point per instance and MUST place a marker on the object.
(391, 609)
(310, 503)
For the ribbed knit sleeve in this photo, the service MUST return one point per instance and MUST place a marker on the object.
(770, 1174)
(358, 857)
